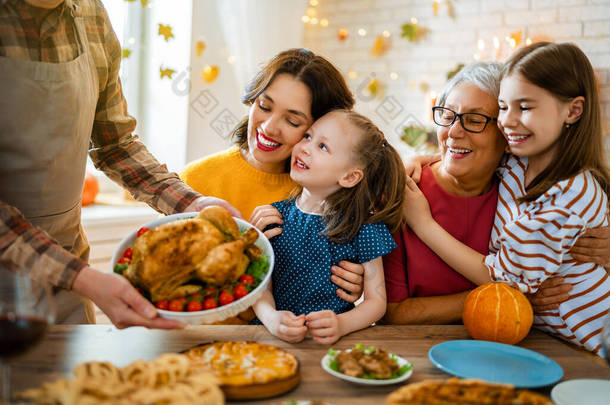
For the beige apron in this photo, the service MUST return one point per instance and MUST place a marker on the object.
(46, 117)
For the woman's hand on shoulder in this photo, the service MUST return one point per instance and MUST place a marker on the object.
(593, 246)
(324, 326)
(350, 277)
(287, 326)
(264, 216)
(552, 292)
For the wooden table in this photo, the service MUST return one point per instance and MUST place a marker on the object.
(65, 346)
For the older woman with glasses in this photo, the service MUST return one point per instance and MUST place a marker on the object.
(462, 190)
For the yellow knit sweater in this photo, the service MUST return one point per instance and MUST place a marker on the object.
(228, 176)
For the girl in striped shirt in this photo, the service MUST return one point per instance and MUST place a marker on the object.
(554, 186)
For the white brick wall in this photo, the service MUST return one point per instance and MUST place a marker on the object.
(448, 42)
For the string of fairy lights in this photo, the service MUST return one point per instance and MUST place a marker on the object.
(491, 49)
(486, 50)
(412, 30)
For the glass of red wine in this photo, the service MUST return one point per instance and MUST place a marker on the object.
(26, 308)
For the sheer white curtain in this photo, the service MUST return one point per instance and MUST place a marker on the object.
(239, 35)
(254, 31)
(179, 118)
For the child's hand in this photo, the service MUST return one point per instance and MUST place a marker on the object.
(324, 326)
(287, 326)
(416, 209)
(414, 164)
(264, 216)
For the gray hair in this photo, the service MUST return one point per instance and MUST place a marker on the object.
(484, 75)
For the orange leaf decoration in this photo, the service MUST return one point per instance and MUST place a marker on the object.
(497, 312)
(380, 46)
(166, 72)
(435, 7)
(373, 87)
(199, 48)
(166, 32)
(210, 73)
(516, 37)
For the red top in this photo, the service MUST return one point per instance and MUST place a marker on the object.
(412, 269)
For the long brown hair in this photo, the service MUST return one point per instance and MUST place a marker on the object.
(378, 197)
(328, 88)
(565, 71)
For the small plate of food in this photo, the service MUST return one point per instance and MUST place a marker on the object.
(197, 267)
(367, 365)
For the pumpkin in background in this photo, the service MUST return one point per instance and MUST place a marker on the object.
(497, 312)
(90, 189)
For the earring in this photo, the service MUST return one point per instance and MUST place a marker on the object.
(568, 126)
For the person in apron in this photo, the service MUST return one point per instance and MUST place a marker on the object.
(45, 133)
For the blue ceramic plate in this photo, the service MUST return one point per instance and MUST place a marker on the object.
(495, 362)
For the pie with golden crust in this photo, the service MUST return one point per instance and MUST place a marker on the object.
(455, 391)
(247, 370)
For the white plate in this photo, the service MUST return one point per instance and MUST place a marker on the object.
(582, 392)
(365, 381)
(210, 315)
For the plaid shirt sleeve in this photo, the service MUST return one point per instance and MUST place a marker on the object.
(117, 152)
(113, 147)
(28, 247)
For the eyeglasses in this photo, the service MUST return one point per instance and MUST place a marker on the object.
(471, 122)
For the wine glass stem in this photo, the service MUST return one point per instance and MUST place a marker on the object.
(6, 381)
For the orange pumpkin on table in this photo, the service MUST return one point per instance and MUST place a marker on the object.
(497, 312)
(90, 189)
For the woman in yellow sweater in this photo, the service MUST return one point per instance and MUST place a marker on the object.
(293, 90)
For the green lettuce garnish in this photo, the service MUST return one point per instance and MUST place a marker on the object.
(258, 269)
(119, 268)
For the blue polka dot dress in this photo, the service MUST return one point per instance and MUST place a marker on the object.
(303, 258)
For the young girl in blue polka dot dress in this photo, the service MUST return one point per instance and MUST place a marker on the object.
(351, 195)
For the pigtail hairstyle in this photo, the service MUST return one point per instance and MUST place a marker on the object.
(565, 71)
(378, 197)
(328, 88)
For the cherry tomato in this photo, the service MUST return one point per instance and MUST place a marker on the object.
(225, 298)
(176, 305)
(210, 291)
(128, 253)
(162, 304)
(142, 231)
(240, 291)
(210, 303)
(182, 299)
(124, 260)
(194, 306)
(246, 279)
(196, 297)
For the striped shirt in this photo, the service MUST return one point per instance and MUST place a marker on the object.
(530, 242)
(113, 147)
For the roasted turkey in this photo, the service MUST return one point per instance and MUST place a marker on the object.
(208, 248)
